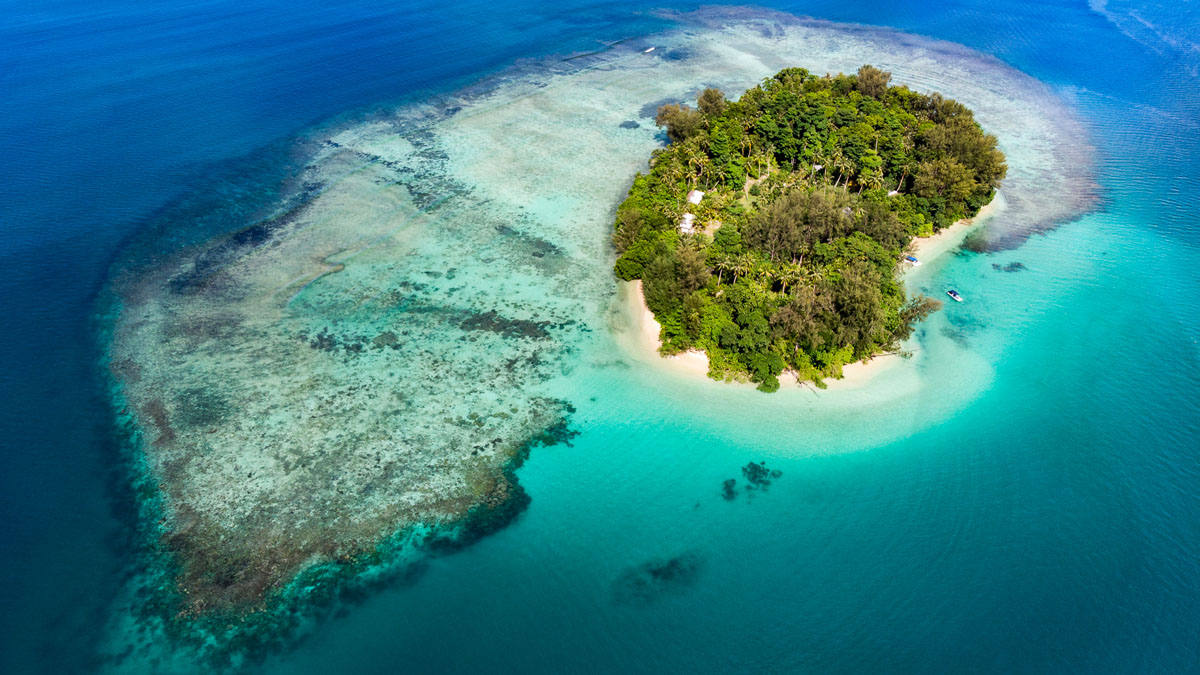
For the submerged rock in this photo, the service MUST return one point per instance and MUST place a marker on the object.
(758, 476)
(729, 489)
(758, 479)
(650, 581)
(492, 321)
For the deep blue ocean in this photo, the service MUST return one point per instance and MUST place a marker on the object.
(1052, 525)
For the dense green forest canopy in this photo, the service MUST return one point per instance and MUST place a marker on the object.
(814, 187)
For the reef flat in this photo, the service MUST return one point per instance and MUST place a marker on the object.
(375, 354)
(306, 387)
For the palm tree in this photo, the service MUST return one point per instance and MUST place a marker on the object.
(692, 161)
(674, 172)
(906, 168)
(907, 143)
(698, 162)
(849, 168)
(790, 274)
(763, 271)
(837, 160)
(724, 264)
(820, 161)
(769, 155)
(743, 264)
(870, 180)
(706, 169)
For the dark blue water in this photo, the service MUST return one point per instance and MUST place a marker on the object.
(112, 110)
(1080, 555)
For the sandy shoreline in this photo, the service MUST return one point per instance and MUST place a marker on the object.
(933, 247)
(642, 335)
(640, 332)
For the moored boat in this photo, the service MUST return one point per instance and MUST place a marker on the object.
(954, 294)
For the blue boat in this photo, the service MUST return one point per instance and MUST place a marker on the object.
(914, 261)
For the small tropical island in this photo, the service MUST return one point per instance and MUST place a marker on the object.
(771, 232)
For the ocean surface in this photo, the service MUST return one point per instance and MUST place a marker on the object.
(1022, 495)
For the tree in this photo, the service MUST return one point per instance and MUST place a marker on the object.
(660, 285)
(880, 223)
(693, 315)
(872, 82)
(681, 121)
(805, 321)
(789, 274)
(712, 103)
(724, 264)
(777, 229)
(906, 166)
(628, 227)
(858, 300)
(840, 163)
(870, 180)
(871, 174)
(691, 269)
(790, 225)
(943, 177)
(742, 265)
(916, 310)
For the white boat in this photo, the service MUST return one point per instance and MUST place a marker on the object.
(648, 50)
(914, 261)
(954, 294)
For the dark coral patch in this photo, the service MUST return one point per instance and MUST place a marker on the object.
(729, 489)
(644, 584)
(758, 476)
(491, 321)
(758, 479)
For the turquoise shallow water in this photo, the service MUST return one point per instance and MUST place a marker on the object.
(1014, 536)
(1030, 506)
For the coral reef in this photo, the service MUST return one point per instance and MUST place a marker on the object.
(650, 581)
